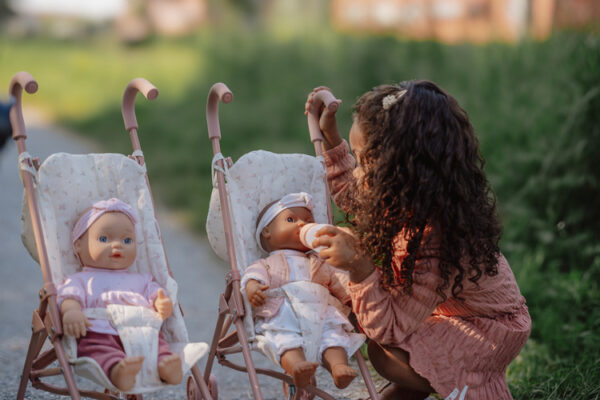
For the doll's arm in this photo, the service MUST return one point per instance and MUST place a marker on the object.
(256, 293)
(74, 321)
(163, 305)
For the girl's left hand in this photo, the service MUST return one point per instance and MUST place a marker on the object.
(343, 252)
(163, 305)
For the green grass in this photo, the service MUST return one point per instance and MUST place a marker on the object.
(535, 107)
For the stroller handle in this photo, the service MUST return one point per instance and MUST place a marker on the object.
(218, 91)
(21, 80)
(136, 85)
(321, 98)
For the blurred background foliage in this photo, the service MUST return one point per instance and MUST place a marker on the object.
(535, 106)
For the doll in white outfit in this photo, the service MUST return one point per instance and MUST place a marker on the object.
(289, 261)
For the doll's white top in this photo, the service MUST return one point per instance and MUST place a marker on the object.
(299, 264)
(98, 287)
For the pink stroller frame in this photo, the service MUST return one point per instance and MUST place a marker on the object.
(231, 301)
(46, 322)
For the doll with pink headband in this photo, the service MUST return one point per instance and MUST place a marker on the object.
(104, 242)
(277, 317)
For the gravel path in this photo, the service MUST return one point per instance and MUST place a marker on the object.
(199, 273)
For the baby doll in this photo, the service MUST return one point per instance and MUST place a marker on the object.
(104, 243)
(289, 260)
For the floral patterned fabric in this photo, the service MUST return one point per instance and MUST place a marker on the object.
(67, 184)
(255, 180)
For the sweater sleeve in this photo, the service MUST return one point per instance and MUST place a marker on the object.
(339, 165)
(256, 271)
(71, 288)
(338, 285)
(152, 287)
(388, 317)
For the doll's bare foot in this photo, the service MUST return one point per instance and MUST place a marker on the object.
(123, 374)
(169, 369)
(302, 372)
(342, 375)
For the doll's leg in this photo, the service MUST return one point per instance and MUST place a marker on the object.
(169, 364)
(335, 360)
(107, 351)
(334, 355)
(294, 363)
(392, 364)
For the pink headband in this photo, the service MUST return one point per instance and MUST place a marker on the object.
(96, 211)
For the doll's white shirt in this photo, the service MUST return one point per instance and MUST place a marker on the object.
(98, 287)
(299, 264)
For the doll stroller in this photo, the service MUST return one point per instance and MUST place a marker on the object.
(56, 192)
(240, 190)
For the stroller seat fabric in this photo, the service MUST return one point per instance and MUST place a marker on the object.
(68, 184)
(255, 180)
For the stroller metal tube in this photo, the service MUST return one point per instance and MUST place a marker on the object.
(20, 81)
(322, 97)
(24, 81)
(220, 91)
(327, 99)
(136, 85)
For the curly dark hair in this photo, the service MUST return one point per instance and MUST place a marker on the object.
(423, 178)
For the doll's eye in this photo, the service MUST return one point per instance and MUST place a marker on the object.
(103, 239)
(127, 240)
(289, 219)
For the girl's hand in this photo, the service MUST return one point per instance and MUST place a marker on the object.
(163, 305)
(255, 292)
(74, 321)
(343, 252)
(327, 120)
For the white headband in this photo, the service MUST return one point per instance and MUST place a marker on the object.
(301, 199)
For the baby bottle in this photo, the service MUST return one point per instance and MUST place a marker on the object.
(307, 235)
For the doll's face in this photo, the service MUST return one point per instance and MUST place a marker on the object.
(109, 243)
(284, 231)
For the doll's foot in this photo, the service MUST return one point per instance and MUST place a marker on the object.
(302, 373)
(342, 375)
(169, 369)
(123, 374)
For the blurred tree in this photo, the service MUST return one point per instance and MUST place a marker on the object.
(259, 14)
(253, 12)
(5, 11)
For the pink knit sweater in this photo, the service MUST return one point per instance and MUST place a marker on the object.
(452, 343)
(274, 272)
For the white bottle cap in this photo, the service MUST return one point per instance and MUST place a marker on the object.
(307, 235)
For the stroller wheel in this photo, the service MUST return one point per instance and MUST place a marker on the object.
(291, 392)
(194, 394)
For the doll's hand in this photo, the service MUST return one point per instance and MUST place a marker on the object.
(163, 305)
(74, 321)
(327, 120)
(255, 292)
(343, 251)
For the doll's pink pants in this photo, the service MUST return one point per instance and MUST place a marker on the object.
(107, 349)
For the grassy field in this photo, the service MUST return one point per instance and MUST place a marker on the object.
(534, 105)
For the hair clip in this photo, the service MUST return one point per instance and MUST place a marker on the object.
(392, 99)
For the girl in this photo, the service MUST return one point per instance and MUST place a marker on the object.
(428, 282)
